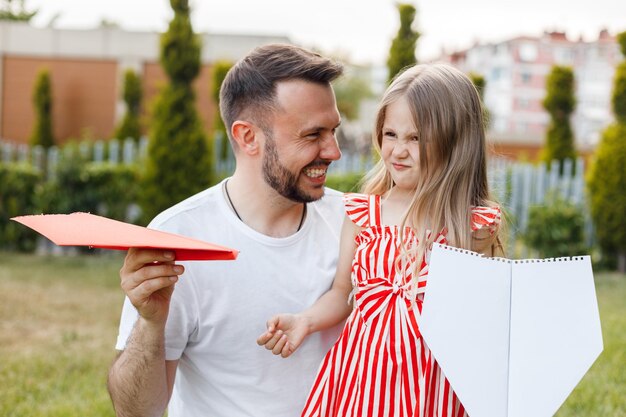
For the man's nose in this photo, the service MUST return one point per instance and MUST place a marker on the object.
(330, 149)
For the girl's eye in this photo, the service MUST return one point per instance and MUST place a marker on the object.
(389, 134)
(415, 139)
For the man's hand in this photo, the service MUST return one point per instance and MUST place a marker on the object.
(285, 333)
(148, 277)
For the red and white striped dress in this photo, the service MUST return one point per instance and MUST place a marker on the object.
(380, 365)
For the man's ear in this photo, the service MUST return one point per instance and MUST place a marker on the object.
(245, 136)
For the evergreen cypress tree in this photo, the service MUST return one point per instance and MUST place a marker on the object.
(180, 160)
(480, 83)
(130, 126)
(560, 103)
(607, 176)
(42, 100)
(402, 52)
(15, 11)
(220, 68)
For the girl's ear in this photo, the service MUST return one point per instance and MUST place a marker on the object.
(245, 136)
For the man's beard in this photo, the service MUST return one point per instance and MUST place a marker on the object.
(279, 177)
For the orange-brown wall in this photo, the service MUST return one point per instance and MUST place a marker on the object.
(84, 93)
(154, 78)
(84, 96)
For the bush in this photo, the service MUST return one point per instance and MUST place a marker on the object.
(130, 126)
(556, 229)
(18, 185)
(80, 186)
(345, 182)
(607, 181)
(180, 157)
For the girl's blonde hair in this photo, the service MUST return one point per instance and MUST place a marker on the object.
(448, 115)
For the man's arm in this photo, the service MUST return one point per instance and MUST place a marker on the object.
(140, 379)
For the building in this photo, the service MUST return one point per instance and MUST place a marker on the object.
(515, 72)
(87, 71)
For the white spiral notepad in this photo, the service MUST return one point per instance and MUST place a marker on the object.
(513, 337)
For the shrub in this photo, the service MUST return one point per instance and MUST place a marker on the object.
(345, 182)
(607, 184)
(81, 186)
(42, 100)
(18, 185)
(130, 126)
(556, 229)
(180, 158)
(560, 103)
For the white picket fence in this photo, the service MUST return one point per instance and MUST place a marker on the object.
(517, 186)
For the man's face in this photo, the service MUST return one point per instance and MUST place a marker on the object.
(302, 143)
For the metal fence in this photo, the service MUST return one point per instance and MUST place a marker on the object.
(517, 186)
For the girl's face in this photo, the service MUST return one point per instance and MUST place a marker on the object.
(400, 145)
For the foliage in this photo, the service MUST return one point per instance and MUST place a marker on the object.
(345, 182)
(607, 184)
(560, 103)
(18, 184)
(14, 10)
(180, 157)
(607, 178)
(220, 68)
(556, 228)
(42, 101)
(130, 126)
(79, 185)
(480, 83)
(402, 52)
(618, 98)
(350, 90)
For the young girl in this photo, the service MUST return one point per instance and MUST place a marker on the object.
(429, 186)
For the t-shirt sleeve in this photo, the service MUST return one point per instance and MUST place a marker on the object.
(357, 208)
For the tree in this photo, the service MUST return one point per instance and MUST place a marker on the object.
(560, 103)
(179, 161)
(130, 126)
(42, 100)
(607, 176)
(480, 83)
(350, 90)
(220, 68)
(14, 10)
(402, 52)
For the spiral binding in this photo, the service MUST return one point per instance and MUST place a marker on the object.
(514, 261)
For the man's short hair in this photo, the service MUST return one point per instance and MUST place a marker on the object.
(249, 89)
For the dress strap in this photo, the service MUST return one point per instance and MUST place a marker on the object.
(375, 212)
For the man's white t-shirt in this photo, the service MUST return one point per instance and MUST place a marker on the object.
(219, 308)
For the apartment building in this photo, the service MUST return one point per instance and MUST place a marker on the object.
(516, 70)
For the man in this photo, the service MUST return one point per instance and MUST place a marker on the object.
(191, 336)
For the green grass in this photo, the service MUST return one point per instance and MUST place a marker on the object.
(59, 318)
(58, 324)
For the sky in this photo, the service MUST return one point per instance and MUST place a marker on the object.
(360, 30)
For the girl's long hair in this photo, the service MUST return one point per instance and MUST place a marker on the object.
(448, 115)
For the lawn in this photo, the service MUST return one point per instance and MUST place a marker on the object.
(58, 324)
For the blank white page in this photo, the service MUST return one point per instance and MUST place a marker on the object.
(465, 322)
(555, 333)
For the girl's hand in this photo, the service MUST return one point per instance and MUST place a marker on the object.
(285, 333)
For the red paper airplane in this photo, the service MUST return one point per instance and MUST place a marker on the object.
(84, 229)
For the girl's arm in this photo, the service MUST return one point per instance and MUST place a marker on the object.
(285, 332)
